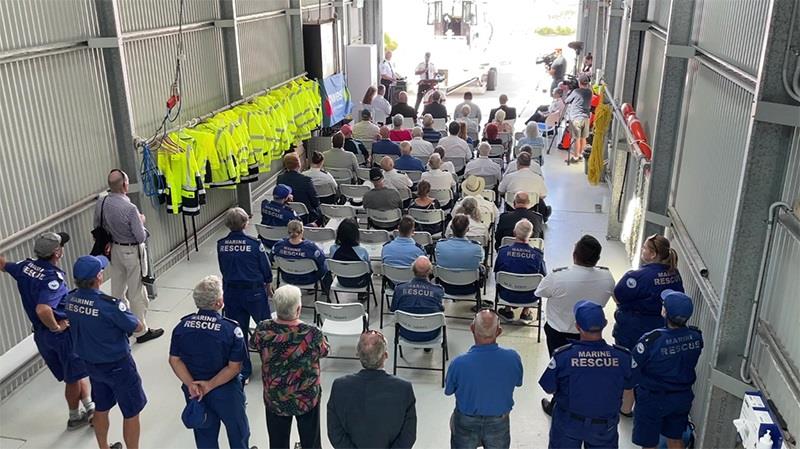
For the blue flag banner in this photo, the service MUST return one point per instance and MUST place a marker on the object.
(336, 103)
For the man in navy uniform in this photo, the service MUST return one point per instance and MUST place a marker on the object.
(664, 363)
(419, 295)
(246, 276)
(206, 353)
(519, 258)
(42, 287)
(296, 247)
(101, 326)
(277, 212)
(587, 378)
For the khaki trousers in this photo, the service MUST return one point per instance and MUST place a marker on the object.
(126, 281)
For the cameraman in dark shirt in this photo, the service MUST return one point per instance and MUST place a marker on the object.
(557, 69)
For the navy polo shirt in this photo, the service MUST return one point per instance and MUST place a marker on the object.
(519, 258)
(483, 380)
(206, 341)
(385, 146)
(243, 259)
(100, 326)
(39, 282)
(401, 252)
(639, 291)
(665, 359)
(588, 377)
(303, 250)
(407, 162)
(418, 296)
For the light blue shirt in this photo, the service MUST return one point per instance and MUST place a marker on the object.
(458, 254)
(401, 252)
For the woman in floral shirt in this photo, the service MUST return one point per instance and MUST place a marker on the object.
(290, 353)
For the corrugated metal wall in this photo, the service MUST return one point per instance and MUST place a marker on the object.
(265, 52)
(658, 12)
(711, 162)
(138, 15)
(650, 82)
(246, 7)
(741, 48)
(28, 23)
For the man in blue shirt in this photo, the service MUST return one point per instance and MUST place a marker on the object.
(206, 353)
(587, 378)
(519, 258)
(483, 380)
(100, 326)
(42, 287)
(428, 133)
(407, 162)
(419, 295)
(403, 250)
(384, 146)
(277, 212)
(458, 253)
(295, 247)
(246, 275)
(664, 371)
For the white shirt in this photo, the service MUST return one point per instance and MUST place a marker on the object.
(512, 167)
(365, 130)
(525, 180)
(426, 75)
(455, 146)
(474, 111)
(488, 208)
(319, 177)
(476, 228)
(420, 147)
(394, 180)
(483, 166)
(387, 70)
(380, 109)
(563, 287)
(439, 180)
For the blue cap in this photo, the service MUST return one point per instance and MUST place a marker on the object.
(679, 307)
(87, 267)
(589, 316)
(194, 415)
(281, 191)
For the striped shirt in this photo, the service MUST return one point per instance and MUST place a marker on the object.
(120, 218)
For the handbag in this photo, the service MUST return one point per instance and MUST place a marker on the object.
(102, 238)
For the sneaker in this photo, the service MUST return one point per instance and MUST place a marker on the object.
(80, 421)
(506, 313)
(526, 316)
(90, 414)
(117, 445)
(547, 407)
(151, 334)
(427, 350)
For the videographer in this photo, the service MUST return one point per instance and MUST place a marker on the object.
(557, 69)
(579, 102)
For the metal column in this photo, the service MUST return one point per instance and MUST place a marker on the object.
(598, 39)
(296, 27)
(372, 14)
(233, 77)
(118, 91)
(769, 143)
(612, 41)
(664, 138)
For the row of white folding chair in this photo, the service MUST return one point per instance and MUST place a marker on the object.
(520, 283)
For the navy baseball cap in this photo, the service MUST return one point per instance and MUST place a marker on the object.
(589, 316)
(87, 267)
(281, 191)
(194, 415)
(375, 174)
(678, 305)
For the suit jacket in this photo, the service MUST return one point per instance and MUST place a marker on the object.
(511, 113)
(371, 409)
(403, 109)
(302, 190)
(505, 227)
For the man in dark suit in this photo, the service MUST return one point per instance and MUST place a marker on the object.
(435, 108)
(511, 113)
(302, 187)
(372, 408)
(402, 107)
(522, 204)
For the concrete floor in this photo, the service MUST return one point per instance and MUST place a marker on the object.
(34, 417)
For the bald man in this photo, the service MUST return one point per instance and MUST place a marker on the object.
(407, 162)
(384, 146)
(302, 187)
(387, 419)
(392, 178)
(402, 107)
(483, 380)
(419, 295)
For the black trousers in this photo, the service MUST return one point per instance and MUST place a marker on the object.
(279, 429)
(556, 339)
(422, 89)
(387, 93)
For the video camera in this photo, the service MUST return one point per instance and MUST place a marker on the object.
(547, 60)
(571, 81)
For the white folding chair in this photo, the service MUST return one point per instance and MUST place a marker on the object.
(413, 175)
(444, 196)
(341, 320)
(392, 276)
(429, 217)
(335, 211)
(423, 159)
(325, 190)
(341, 175)
(533, 242)
(489, 195)
(354, 192)
(414, 322)
(297, 267)
(408, 122)
(273, 233)
(374, 236)
(520, 283)
(319, 235)
(383, 219)
(368, 144)
(458, 163)
(490, 180)
(460, 278)
(362, 173)
(496, 151)
(439, 124)
(405, 194)
(351, 269)
(299, 208)
(506, 138)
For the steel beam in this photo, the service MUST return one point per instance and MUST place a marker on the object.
(108, 20)
(664, 136)
(296, 27)
(765, 166)
(371, 14)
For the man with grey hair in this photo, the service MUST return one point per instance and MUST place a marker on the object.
(398, 132)
(522, 209)
(384, 145)
(392, 178)
(406, 161)
(483, 381)
(526, 180)
(387, 419)
(419, 295)
(483, 166)
(206, 354)
(535, 164)
(473, 126)
(439, 180)
(246, 274)
(419, 146)
(429, 134)
(122, 220)
(519, 258)
(365, 129)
